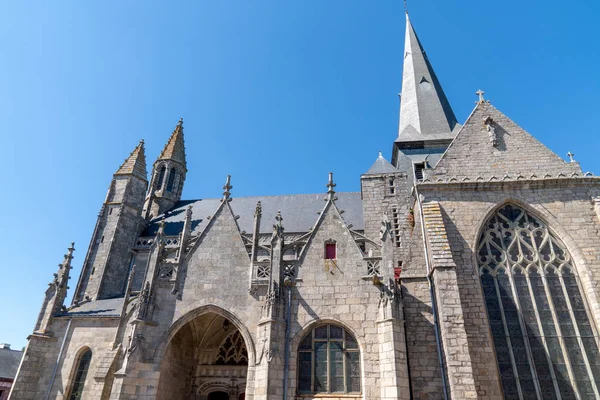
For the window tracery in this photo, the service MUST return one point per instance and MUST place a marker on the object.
(546, 347)
(328, 361)
(232, 351)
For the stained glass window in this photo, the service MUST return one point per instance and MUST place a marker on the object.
(328, 361)
(546, 345)
(81, 372)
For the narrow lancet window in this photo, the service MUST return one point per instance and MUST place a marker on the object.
(546, 345)
(161, 177)
(171, 182)
(80, 375)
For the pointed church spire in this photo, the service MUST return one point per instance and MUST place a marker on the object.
(175, 148)
(135, 164)
(424, 109)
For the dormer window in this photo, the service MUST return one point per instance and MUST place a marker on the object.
(419, 167)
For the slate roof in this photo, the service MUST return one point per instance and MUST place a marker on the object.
(425, 113)
(9, 363)
(299, 212)
(98, 308)
(381, 166)
(135, 164)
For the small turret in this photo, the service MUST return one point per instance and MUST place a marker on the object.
(168, 176)
(55, 294)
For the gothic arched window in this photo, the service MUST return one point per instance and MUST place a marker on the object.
(81, 372)
(232, 351)
(545, 343)
(171, 181)
(161, 177)
(328, 361)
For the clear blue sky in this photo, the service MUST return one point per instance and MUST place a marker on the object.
(275, 93)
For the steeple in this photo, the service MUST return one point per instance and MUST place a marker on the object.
(135, 164)
(425, 113)
(175, 148)
(168, 175)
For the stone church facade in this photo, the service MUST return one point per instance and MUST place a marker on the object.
(465, 268)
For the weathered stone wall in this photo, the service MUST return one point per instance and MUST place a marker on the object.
(105, 273)
(565, 205)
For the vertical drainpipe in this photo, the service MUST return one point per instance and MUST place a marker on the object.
(62, 346)
(432, 294)
(287, 283)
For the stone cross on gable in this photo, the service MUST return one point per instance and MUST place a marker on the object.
(480, 93)
(330, 185)
(227, 188)
(571, 155)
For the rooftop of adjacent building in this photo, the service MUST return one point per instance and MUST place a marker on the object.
(9, 361)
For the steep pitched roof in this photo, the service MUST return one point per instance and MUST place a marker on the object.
(381, 166)
(425, 112)
(300, 212)
(135, 164)
(472, 154)
(175, 147)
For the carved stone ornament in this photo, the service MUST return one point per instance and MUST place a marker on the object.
(488, 122)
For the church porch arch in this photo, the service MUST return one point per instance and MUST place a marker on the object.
(207, 350)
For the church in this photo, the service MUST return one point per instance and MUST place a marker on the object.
(467, 267)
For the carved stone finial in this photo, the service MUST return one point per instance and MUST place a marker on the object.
(480, 93)
(227, 188)
(278, 226)
(180, 123)
(258, 211)
(330, 185)
(571, 155)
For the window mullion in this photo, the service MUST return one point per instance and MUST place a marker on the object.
(543, 337)
(328, 365)
(524, 330)
(344, 362)
(578, 335)
(313, 369)
(563, 347)
(508, 341)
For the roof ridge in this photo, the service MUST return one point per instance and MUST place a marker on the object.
(274, 195)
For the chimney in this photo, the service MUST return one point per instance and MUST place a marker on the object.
(5, 346)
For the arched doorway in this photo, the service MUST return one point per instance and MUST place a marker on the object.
(218, 396)
(207, 359)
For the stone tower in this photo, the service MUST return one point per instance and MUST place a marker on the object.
(168, 176)
(108, 260)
